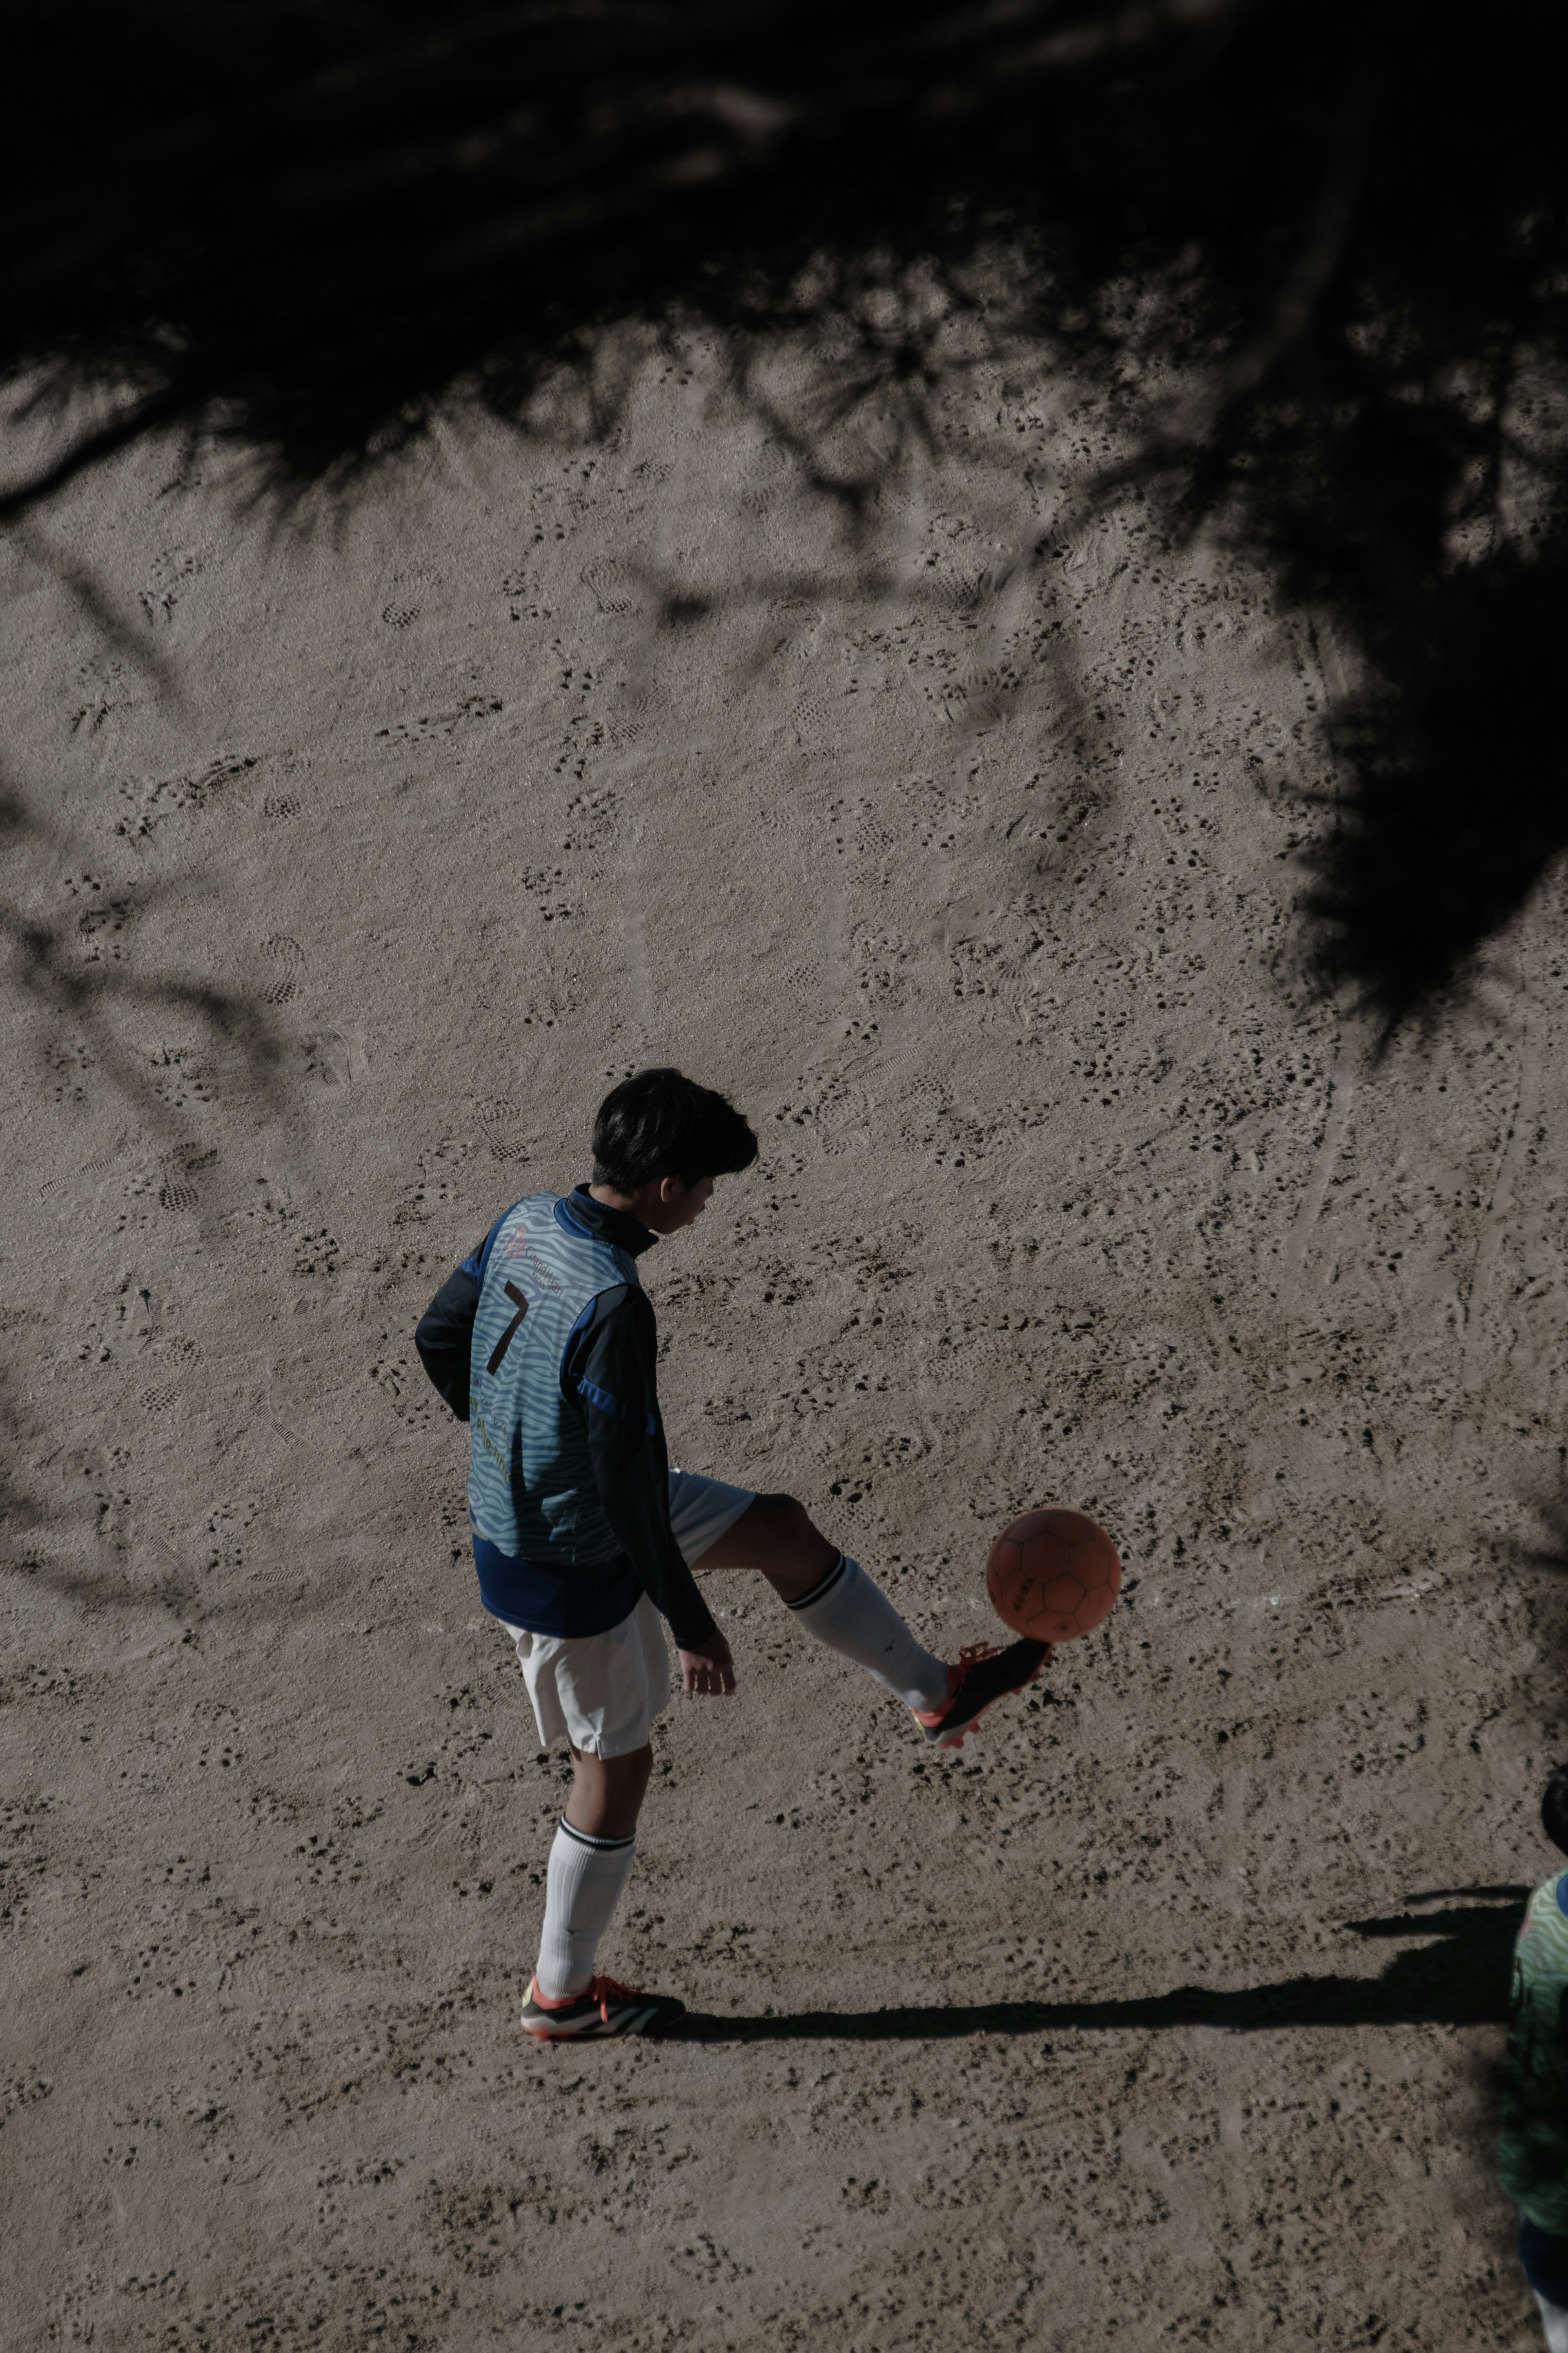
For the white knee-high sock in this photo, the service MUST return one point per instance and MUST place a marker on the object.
(582, 1888)
(850, 1612)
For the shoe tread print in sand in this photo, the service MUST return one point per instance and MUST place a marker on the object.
(287, 958)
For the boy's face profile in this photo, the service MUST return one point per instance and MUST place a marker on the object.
(675, 1205)
(664, 1206)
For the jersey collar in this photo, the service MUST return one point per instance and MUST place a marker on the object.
(607, 1225)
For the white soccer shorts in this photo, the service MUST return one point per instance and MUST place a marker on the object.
(602, 1691)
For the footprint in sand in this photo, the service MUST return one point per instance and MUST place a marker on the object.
(94, 1167)
(612, 591)
(812, 714)
(406, 602)
(958, 592)
(175, 1194)
(158, 1400)
(281, 805)
(173, 572)
(289, 957)
(629, 720)
(497, 1116)
(333, 1058)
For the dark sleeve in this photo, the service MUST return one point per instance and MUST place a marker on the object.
(609, 1368)
(445, 1332)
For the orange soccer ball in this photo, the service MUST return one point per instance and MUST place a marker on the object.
(1053, 1575)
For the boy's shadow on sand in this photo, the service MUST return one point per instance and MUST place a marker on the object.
(1460, 1981)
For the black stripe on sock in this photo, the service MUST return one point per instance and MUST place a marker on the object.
(599, 1845)
(819, 1592)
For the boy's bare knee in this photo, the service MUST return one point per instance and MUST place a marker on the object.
(792, 1551)
(771, 1533)
(783, 1519)
(608, 1792)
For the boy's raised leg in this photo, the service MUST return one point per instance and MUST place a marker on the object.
(833, 1598)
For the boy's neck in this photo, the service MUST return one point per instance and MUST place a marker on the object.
(621, 1206)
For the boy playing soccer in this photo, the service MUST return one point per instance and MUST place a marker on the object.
(544, 1341)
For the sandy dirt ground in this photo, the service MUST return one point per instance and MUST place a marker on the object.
(1159, 2016)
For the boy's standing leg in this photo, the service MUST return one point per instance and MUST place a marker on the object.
(601, 1694)
(591, 1859)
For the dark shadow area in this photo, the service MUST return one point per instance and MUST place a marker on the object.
(1463, 1981)
(66, 966)
(1312, 260)
(1461, 791)
(64, 970)
(1510, 1889)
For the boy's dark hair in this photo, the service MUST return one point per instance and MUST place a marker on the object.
(661, 1124)
(1554, 1807)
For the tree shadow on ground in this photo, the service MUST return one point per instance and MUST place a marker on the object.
(1313, 260)
(1460, 1981)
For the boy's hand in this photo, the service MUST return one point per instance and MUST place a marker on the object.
(708, 1668)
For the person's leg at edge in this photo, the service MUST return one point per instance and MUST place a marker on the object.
(1543, 2255)
(1554, 2319)
(831, 1596)
(590, 1862)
